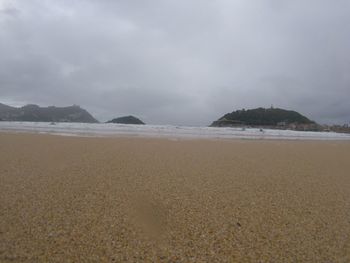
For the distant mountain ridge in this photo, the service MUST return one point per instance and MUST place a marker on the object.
(32, 112)
(126, 120)
(262, 117)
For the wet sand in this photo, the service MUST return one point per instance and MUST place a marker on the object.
(70, 199)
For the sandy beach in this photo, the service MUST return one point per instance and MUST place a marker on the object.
(75, 199)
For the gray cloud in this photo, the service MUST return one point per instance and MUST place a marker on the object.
(177, 62)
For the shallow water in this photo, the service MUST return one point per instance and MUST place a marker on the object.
(164, 131)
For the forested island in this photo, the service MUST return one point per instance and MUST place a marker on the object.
(127, 120)
(274, 118)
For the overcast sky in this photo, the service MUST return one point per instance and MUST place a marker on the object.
(184, 62)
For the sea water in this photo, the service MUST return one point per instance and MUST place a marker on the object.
(164, 131)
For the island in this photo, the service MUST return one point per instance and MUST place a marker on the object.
(127, 120)
(35, 113)
(273, 118)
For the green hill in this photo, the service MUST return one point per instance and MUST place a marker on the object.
(36, 113)
(126, 120)
(261, 117)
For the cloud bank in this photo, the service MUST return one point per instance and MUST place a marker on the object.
(177, 62)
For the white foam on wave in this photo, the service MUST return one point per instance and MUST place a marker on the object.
(164, 131)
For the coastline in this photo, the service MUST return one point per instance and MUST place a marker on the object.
(165, 131)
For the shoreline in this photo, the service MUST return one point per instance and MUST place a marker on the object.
(171, 138)
(179, 137)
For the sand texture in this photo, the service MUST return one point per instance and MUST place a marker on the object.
(70, 199)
